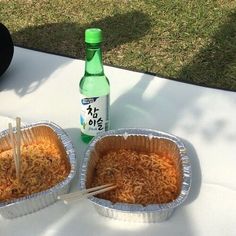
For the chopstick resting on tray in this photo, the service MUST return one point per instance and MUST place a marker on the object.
(78, 195)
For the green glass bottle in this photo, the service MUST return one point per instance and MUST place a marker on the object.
(94, 89)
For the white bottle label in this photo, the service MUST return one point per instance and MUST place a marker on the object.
(94, 114)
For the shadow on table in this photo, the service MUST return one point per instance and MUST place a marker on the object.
(29, 71)
(67, 36)
(136, 104)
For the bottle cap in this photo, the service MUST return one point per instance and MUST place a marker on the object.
(93, 35)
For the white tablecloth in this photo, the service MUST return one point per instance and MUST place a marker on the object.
(40, 86)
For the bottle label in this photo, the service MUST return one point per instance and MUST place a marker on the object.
(94, 115)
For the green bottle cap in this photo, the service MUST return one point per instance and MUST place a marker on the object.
(93, 35)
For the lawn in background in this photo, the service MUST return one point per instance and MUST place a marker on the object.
(192, 41)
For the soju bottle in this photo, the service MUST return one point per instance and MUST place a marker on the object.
(94, 89)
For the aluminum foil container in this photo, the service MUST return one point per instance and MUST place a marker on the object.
(141, 140)
(31, 203)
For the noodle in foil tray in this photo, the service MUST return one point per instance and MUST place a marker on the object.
(141, 178)
(47, 168)
(42, 167)
(150, 169)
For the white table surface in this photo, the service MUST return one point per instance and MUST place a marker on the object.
(40, 86)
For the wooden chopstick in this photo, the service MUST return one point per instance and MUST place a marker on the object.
(18, 142)
(14, 151)
(72, 195)
(16, 145)
(78, 195)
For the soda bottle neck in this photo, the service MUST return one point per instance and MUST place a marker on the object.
(93, 65)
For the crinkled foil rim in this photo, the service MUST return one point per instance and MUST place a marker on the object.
(125, 132)
(70, 151)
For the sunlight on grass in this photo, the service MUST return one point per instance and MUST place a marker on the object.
(178, 39)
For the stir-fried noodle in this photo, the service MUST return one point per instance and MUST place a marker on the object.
(42, 167)
(140, 178)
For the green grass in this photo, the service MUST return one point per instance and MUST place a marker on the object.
(192, 41)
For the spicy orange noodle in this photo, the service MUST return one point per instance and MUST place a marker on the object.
(42, 167)
(140, 178)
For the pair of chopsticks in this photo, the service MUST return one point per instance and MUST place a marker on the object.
(16, 144)
(79, 195)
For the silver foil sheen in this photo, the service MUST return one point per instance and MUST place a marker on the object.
(140, 140)
(28, 204)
